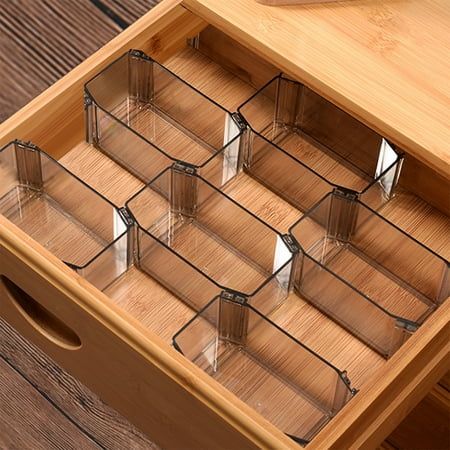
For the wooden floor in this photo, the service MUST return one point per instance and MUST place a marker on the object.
(41, 406)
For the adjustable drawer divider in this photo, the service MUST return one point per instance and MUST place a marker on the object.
(342, 215)
(233, 318)
(183, 191)
(140, 77)
(344, 244)
(28, 160)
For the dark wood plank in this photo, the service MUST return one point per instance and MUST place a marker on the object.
(29, 421)
(445, 382)
(41, 40)
(128, 11)
(427, 426)
(104, 424)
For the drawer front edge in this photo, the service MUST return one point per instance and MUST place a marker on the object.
(150, 385)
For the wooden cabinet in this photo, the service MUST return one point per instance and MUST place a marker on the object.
(363, 58)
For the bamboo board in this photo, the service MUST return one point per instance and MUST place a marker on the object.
(345, 50)
(293, 2)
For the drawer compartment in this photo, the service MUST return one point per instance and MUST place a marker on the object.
(276, 375)
(57, 209)
(329, 141)
(272, 168)
(366, 273)
(145, 118)
(197, 241)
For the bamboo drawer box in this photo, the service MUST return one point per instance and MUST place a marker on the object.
(232, 221)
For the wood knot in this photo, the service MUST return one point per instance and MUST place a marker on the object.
(388, 25)
(383, 43)
(267, 24)
(155, 45)
(382, 17)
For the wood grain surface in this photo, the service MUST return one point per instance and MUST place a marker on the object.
(384, 61)
(46, 427)
(40, 41)
(103, 424)
(125, 12)
(293, 2)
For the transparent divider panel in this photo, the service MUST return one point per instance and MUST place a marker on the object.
(145, 118)
(370, 276)
(57, 209)
(196, 241)
(263, 366)
(325, 138)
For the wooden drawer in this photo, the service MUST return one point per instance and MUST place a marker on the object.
(108, 339)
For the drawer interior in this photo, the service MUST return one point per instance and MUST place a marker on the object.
(162, 312)
(230, 74)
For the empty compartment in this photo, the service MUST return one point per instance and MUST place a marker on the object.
(144, 117)
(275, 169)
(366, 273)
(196, 241)
(57, 209)
(278, 376)
(329, 141)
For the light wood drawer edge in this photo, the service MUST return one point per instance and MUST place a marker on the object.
(396, 389)
(130, 368)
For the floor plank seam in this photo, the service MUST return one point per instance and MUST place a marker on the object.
(57, 407)
(110, 13)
